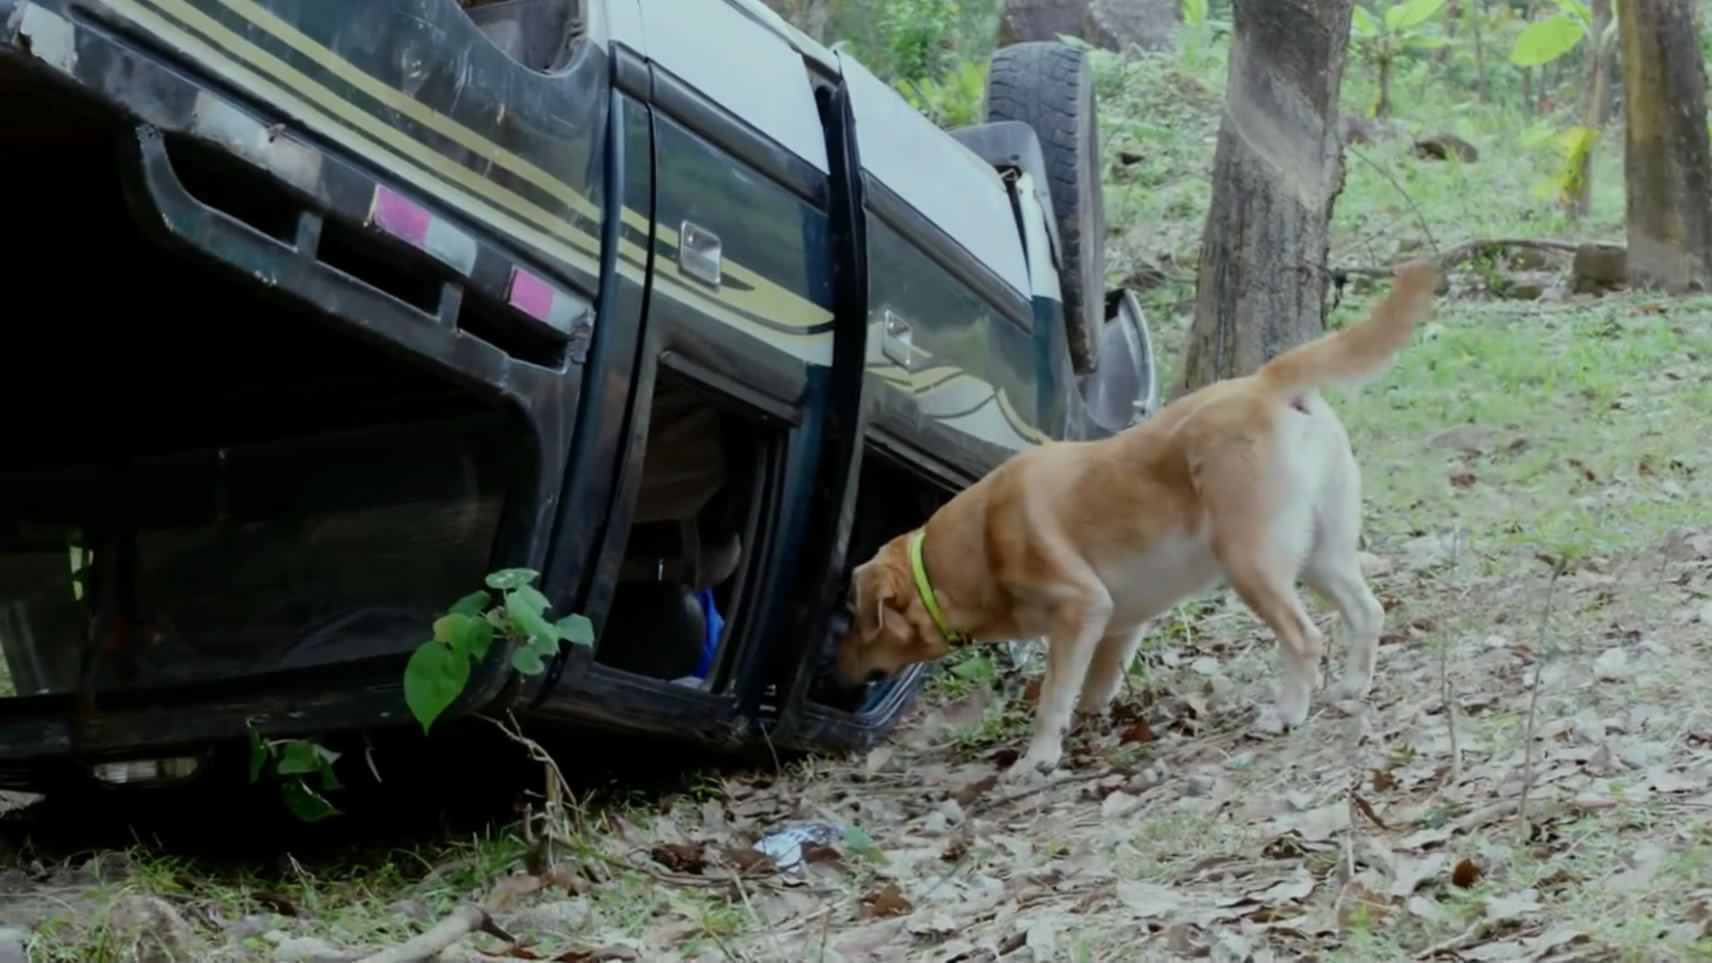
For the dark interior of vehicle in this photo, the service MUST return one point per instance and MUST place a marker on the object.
(701, 496)
(539, 34)
(235, 486)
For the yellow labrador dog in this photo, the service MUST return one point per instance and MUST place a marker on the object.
(1080, 543)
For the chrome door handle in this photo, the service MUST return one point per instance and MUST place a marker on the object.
(896, 338)
(699, 253)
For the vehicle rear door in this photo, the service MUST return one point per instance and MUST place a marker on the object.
(742, 296)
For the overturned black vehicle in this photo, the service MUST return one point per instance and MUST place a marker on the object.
(323, 311)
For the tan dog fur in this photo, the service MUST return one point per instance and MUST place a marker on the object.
(1081, 543)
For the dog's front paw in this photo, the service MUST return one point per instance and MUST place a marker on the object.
(1289, 712)
(1035, 764)
(1349, 689)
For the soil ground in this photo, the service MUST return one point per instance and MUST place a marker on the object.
(1531, 779)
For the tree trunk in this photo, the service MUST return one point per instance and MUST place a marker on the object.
(1382, 110)
(1479, 52)
(1452, 13)
(1277, 170)
(1667, 160)
(1595, 105)
(814, 21)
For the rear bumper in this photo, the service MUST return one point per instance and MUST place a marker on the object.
(528, 358)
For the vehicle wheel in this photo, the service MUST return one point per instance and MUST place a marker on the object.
(1050, 87)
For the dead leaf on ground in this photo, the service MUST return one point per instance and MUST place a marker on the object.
(888, 900)
(967, 795)
(1411, 873)
(679, 857)
(1528, 949)
(1147, 900)
(1138, 731)
(604, 954)
(1466, 874)
(1315, 825)
(1462, 479)
(747, 860)
(1360, 906)
(1510, 907)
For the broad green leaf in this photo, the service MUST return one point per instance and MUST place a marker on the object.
(473, 604)
(476, 639)
(507, 579)
(299, 756)
(527, 661)
(468, 636)
(575, 629)
(527, 619)
(433, 678)
(446, 627)
(1545, 40)
(533, 597)
(1411, 14)
(857, 840)
(1576, 9)
(1364, 23)
(1194, 11)
(305, 803)
(975, 667)
(258, 754)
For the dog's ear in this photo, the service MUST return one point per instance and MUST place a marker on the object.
(876, 600)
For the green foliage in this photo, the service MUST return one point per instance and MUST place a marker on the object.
(1545, 40)
(1200, 29)
(1381, 38)
(1401, 27)
(955, 100)
(1548, 38)
(440, 668)
(292, 762)
(914, 35)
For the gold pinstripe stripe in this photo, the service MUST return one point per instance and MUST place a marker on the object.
(443, 178)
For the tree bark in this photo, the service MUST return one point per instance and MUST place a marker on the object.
(1479, 52)
(1277, 171)
(1595, 104)
(1667, 160)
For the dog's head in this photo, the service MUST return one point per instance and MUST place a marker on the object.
(889, 627)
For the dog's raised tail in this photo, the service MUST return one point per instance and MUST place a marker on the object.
(1364, 349)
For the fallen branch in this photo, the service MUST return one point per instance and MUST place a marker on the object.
(1451, 257)
(468, 918)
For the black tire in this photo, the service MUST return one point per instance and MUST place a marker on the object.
(1050, 87)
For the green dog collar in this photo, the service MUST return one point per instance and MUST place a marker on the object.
(924, 589)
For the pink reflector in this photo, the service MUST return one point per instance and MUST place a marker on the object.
(395, 215)
(530, 294)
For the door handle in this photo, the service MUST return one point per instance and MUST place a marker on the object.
(896, 338)
(699, 253)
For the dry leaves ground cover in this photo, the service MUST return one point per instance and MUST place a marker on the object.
(1531, 780)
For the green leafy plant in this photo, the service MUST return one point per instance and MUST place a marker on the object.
(1545, 40)
(292, 763)
(1379, 39)
(952, 101)
(1550, 37)
(440, 668)
(1200, 28)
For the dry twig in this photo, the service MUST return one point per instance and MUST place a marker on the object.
(466, 919)
(1558, 566)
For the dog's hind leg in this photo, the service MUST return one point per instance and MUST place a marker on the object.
(1261, 532)
(1112, 658)
(1078, 624)
(1333, 569)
